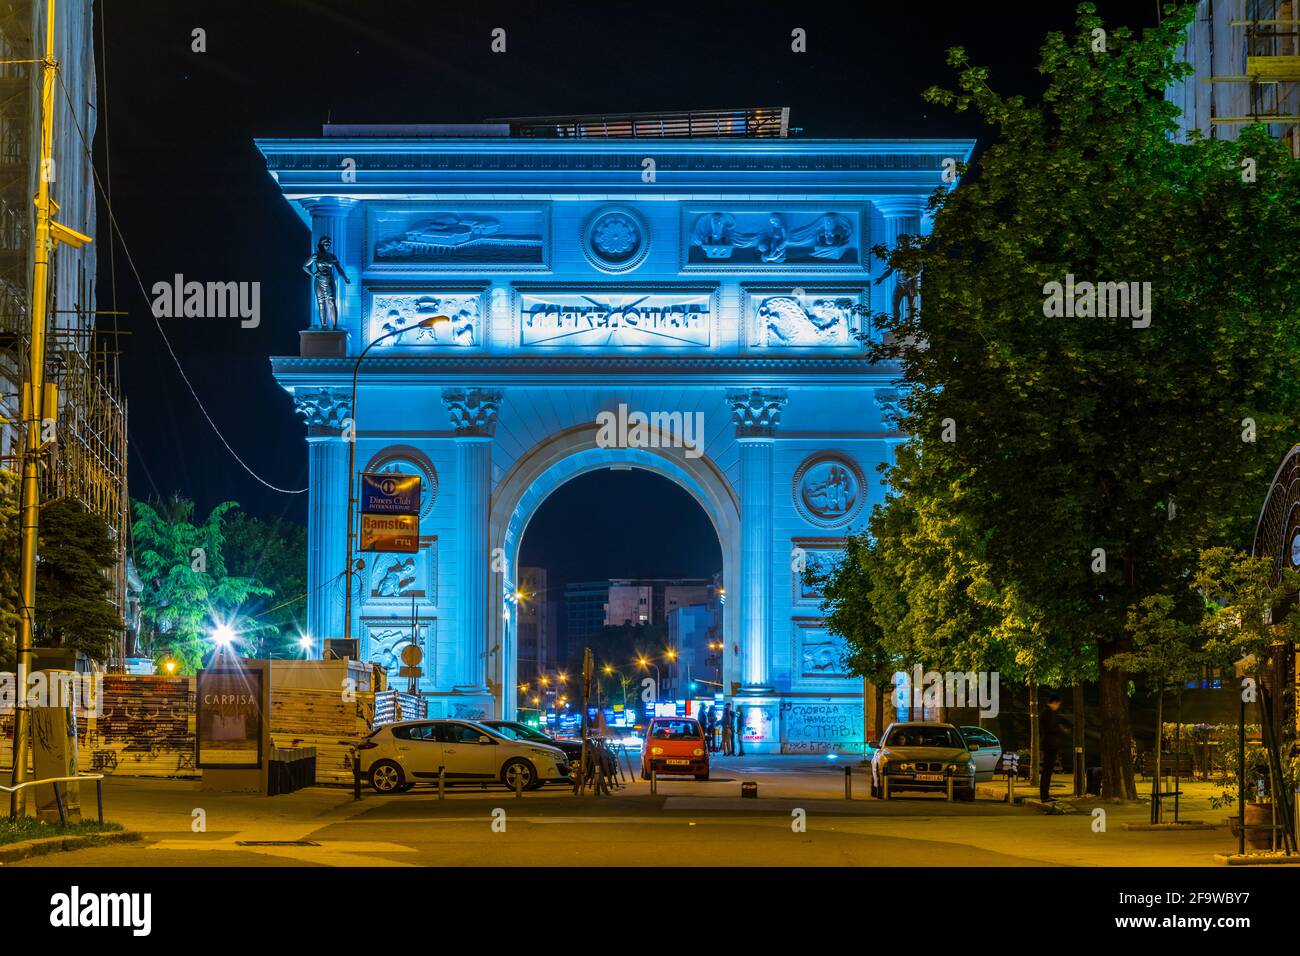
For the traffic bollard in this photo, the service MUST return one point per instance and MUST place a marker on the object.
(654, 780)
(99, 799)
(442, 783)
(356, 777)
(848, 783)
(950, 779)
(519, 785)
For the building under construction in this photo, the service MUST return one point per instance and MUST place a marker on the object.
(1246, 60)
(87, 459)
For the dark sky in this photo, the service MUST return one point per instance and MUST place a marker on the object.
(191, 193)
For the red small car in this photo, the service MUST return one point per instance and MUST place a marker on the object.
(675, 745)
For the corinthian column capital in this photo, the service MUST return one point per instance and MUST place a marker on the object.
(756, 412)
(323, 408)
(473, 411)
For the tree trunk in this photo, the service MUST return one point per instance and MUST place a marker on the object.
(1156, 800)
(1034, 742)
(1116, 735)
(1079, 764)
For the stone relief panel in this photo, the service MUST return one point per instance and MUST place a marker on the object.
(457, 318)
(479, 237)
(386, 638)
(401, 577)
(635, 318)
(806, 317)
(795, 239)
(829, 490)
(819, 556)
(819, 654)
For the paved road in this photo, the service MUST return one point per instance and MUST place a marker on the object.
(800, 819)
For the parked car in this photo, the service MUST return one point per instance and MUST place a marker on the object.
(675, 745)
(985, 749)
(517, 731)
(397, 756)
(915, 755)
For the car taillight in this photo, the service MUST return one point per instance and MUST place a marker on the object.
(367, 745)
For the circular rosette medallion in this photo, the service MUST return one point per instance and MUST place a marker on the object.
(615, 240)
(829, 490)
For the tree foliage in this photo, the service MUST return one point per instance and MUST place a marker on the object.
(1064, 469)
(274, 553)
(74, 607)
(188, 589)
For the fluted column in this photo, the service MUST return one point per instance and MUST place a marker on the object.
(473, 414)
(331, 216)
(903, 216)
(756, 413)
(327, 412)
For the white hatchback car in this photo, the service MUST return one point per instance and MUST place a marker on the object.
(397, 756)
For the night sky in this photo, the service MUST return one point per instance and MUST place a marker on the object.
(191, 194)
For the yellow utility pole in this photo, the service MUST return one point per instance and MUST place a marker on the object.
(34, 402)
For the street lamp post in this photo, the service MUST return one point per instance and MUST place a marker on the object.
(426, 323)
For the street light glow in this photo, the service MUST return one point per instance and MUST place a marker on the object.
(223, 635)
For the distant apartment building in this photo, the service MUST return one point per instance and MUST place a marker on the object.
(629, 603)
(584, 613)
(651, 600)
(1246, 57)
(695, 632)
(538, 624)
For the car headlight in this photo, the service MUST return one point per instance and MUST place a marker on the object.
(903, 767)
(546, 754)
(697, 752)
(656, 750)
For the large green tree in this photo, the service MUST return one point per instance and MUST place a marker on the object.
(188, 589)
(1080, 463)
(75, 551)
(74, 607)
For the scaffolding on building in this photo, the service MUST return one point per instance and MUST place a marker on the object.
(87, 460)
(1271, 48)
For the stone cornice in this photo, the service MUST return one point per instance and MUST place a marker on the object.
(540, 371)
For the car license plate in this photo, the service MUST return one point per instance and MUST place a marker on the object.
(930, 777)
(676, 763)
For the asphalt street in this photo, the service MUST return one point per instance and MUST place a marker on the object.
(800, 818)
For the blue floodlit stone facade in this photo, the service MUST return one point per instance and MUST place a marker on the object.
(727, 278)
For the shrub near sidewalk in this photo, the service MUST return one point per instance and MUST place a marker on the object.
(29, 828)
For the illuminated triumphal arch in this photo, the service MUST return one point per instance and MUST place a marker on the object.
(552, 306)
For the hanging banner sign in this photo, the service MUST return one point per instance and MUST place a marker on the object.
(390, 493)
(395, 533)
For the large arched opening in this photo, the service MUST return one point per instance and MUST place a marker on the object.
(537, 476)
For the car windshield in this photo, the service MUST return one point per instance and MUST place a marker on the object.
(520, 732)
(923, 737)
(675, 730)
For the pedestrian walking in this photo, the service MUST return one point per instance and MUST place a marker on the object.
(728, 731)
(1049, 745)
(740, 730)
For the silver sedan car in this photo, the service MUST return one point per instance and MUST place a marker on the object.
(921, 756)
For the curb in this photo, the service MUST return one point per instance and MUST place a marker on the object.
(14, 852)
(1256, 859)
(1170, 827)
